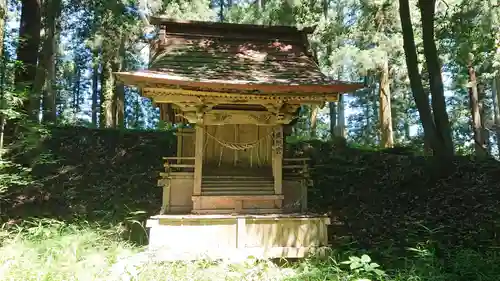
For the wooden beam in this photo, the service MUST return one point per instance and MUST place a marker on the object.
(167, 95)
(165, 204)
(186, 97)
(278, 160)
(198, 161)
(162, 80)
(222, 117)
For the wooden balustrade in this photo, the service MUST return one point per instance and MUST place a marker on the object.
(178, 165)
(297, 166)
(298, 169)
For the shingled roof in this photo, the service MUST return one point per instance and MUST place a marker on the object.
(235, 57)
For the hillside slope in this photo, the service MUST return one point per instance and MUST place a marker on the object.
(374, 197)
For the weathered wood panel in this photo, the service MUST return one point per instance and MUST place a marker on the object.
(226, 236)
(185, 142)
(292, 190)
(285, 233)
(223, 139)
(181, 191)
(194, 235)
(215, 153)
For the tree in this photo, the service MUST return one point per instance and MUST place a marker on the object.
(27, 54)
(441, 120)
(431, 134)
(3, 103)
(387, 139)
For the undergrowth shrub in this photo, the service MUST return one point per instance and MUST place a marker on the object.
(54, 250)
(92, 174)
(417, 219)
(379, 199)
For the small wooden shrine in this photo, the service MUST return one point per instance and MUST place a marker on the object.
(230, 89)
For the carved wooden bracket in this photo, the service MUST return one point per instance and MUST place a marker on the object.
(221, 117)
(278, 140)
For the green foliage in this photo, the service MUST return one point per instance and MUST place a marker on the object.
(390, 209)
(12, 174)
(364, 265)
(93, 174)
(53, 250)
(398, 200)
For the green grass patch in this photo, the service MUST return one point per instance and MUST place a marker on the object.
(54, 250)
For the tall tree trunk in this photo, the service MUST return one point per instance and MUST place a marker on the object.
(221, 11)
(341, 117)
(483, 113)
(374, 116)
(76, 91)
(3, 19)
(52, 27)
(27, 54)
(441, 119)
(406, 126)
(95, 86)
(107, 92)
(367, 138)
(3, 119)
(385, 115)
(333, 118)
(418, 92)
(496, 100)
(136, 113)
(120, 88)
(479, 145)
(314, 121)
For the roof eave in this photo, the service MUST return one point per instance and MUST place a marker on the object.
(144, 81)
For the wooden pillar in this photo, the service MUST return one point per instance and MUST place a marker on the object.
(180, 140)
(164, 182)
(303, 188)
(278, 159)
(198, 161)
(165, 206)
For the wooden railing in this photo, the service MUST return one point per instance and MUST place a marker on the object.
(178, 165)
(296, 167)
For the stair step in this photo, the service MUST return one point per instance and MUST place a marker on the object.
(244, 211)
(236, 192)
(250, 183)
(237, 184)
(238, 177)
(250, 187)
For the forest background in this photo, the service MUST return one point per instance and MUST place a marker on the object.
(80, 152)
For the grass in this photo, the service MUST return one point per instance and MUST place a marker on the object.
(53, 250)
